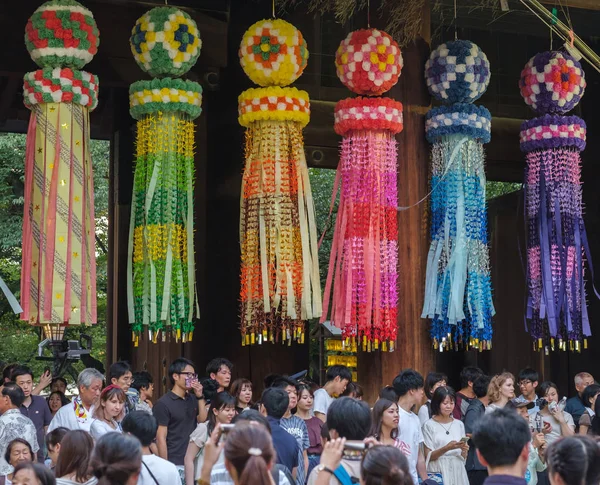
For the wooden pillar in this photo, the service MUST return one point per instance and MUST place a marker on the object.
(413, 349)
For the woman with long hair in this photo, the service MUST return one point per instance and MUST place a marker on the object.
(500, 391)
(561, 422)
(73, 465)
(53, 440)
(384, 425)
(249, 455)
(241, 390)
(221, 411)
(432, 382)
(589, 398)
(445, 439)
(108, 412)
(17, 452)
(56, 400)
(117, 459)
(574, 461)
(32, 474)
(313, 424)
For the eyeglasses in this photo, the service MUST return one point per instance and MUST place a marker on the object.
(128, 380)
(189, 374)
(525, 382)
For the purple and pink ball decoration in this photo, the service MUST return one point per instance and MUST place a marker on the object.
(552, 83)
(361, 293)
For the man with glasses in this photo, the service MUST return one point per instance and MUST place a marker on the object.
(177, 412)
(120, 375)
(528, 382)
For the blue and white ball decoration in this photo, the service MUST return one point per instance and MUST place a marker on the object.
(458, 289)
(457, 72)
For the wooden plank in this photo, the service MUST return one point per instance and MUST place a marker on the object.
(584, 4)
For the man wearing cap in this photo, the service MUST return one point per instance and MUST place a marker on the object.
(537, 447)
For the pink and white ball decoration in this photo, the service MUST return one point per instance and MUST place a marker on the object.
(369, 62)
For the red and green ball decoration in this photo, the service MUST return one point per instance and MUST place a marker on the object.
(161, 274)
(361, 294)
(62, 33)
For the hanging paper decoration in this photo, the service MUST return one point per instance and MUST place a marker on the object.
(161, 274)
(279, 283)
(552, 83)
(58, 274)
(458, 293)
(361, 295)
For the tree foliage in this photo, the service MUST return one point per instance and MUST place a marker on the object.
(18, 340)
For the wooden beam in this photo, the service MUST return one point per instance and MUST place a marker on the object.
(584, 4)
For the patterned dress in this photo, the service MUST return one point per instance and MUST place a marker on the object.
(14, 425)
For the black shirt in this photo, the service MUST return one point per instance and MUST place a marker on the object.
(475, 412)
(179, 416)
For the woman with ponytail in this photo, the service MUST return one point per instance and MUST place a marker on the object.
(249, 455)
(385, 465)
(117, 459)
(574, 461)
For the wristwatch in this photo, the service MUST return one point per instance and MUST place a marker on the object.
(323, 468)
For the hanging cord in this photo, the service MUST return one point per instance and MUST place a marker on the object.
(368, 14)
(273, 10)
(455, 20)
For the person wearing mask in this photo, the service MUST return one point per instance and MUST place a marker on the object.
(78, 414)
(350, 419)
(143, 385)
(463, 397)
(177, 412)
(445, 440)
(574, 461)
(502, 439)
(313, 425)
(221, 411)
(384, 425)
(575, 406)
(528, 383)
(13, 425)
(241, 390)
(500, 391)
(274, 405)
(589, 397)
(561, 422)
(53, 443)
(476, 472)
(32, 474)
(295, 426)
(432, 382)
(155, 470)
(109, 412)
(56, 400)
(117, 459)
(217, 474)
(34, 407)
(17, 451)
(408, 385)
(73, 466)
(337, 378)
(536, 463)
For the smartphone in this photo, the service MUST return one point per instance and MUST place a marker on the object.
(189, 380)
(224, 428)
(464, 440)
(355, 446)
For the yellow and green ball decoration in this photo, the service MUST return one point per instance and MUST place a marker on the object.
(161, 273)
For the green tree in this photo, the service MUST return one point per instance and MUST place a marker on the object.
(18, 340)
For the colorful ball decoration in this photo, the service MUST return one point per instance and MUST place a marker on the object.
(273, 53)
(62, 33)
(165, 42)
(552, 82)
(369, 62)
(457, 72)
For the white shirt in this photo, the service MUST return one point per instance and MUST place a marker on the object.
(99, 428)
(65, 481)
(409, 431)
(424, 413)
(65, 417)
(13, 425)
(220, 476)
(556, 432)
(322, 401)
(164, 471)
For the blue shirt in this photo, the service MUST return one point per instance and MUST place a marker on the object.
(575, 408)
(285, 445)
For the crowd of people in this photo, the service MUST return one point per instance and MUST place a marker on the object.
(213, 431)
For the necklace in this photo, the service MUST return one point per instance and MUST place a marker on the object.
(447, 430)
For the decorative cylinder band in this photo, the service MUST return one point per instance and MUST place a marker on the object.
(368, 114)
(553, 131)
(56, 85)
(460, 118)
(165, 95)
(273, 104)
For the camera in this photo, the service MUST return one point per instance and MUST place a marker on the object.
(541, 403)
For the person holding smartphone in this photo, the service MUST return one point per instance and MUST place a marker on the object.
(445, 440)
